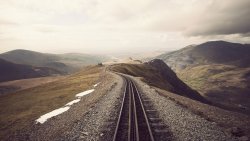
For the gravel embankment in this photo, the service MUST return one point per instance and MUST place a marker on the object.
(100, 119)
(183, 124)
(86, 120)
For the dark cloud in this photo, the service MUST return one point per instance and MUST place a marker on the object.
(222, 18)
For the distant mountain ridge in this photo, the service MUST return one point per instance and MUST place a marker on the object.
(66, 63)
(218, 52)
(11, 71)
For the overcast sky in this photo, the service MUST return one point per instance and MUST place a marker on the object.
(114, 26)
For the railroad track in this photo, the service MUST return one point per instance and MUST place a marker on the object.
(133, 123)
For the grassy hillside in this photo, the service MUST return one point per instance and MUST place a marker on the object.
(218, 70)
(20, 109)
(224, 84)
(157, 73)
(10, 71)
(65, 63)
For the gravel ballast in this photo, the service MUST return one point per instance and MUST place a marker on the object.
(183, 124)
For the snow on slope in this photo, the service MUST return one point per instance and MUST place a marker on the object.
(84, 93)
(73, 102)
(51, 114)
(59, 111)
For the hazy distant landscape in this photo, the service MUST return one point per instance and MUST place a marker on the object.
(171, 70)
(64, 63)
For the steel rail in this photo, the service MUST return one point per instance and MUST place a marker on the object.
(134, 114)
(144, 113)
(133, 129)
(130, 113)
(120, 114)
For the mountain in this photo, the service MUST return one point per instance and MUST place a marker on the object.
(65, 63)
(213, 52)
(11, 71)
(158, 74)
(218, 70)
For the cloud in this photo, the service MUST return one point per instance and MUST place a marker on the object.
(7, 23)
(106, 26)
(223, 18)
(193, 18)
(46, 28)
(200, 17)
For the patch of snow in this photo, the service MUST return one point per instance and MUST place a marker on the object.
(85, 93)
(72, 102)
(96, 84)
(59, 111)
(51, 114)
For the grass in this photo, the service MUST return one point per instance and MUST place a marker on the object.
(222, 84)
(199, 76)
(20, 109)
